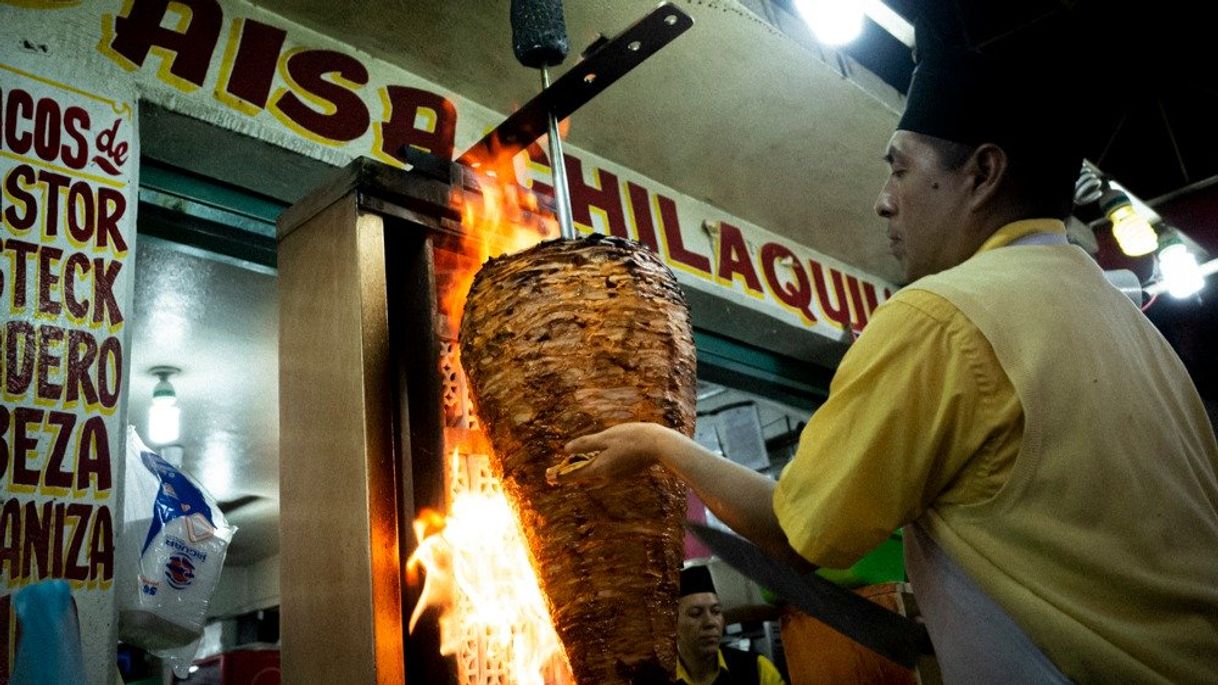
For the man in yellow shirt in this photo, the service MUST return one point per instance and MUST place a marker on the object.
(1041, 443)
(701, 659)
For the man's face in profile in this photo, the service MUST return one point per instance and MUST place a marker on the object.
(923, 202)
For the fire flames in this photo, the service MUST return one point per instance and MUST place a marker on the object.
(478, 574)
(505, 218)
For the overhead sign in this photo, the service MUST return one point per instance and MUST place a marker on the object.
(238, 66)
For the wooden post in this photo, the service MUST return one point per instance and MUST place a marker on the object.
(340, 583)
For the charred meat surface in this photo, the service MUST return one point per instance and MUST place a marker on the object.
(564, 339)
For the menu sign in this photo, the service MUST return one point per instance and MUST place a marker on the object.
(67, 205)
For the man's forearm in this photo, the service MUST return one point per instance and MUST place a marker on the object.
(737, 495)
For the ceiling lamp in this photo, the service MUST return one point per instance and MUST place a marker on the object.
(834, 22)
(1133, 232)
(164, 415)
(1179, 269)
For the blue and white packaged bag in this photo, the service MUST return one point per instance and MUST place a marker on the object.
(173, 542)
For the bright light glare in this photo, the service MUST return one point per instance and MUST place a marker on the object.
(1133, 233)
(835, 22)
(164, 421)
(1181, 273)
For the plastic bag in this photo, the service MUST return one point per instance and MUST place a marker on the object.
(174, 541)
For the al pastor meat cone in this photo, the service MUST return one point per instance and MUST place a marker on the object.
(567, 338)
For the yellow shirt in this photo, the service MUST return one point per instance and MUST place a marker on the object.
(874, 457)
(766, 671)
(1097, 536)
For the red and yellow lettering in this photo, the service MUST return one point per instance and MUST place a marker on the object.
(111, 208)
(796, 296)
(50, 359)
(248, 69)
(674, 244)
(10, 539)
(37, 540)
(640, 215)
(79, 382)
(101, 546)
(48, 280)
(16, 184)
(19, 107)
(105, 306)
(93, 455)
(602, 197)
(859, 318)
(54, 476)
(23, 444)
(334, 113)
(72, 568)
(415, 118)
(734, 259)
(836, 309)
(185, 49)
(19, 353)
(55, 183)
(77, 262)
(4, 421)
(48, 128)
(109, 361)
(75, 123)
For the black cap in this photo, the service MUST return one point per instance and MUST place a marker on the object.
(1021, 103)
(695, 579)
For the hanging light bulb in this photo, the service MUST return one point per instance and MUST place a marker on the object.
(1179, 269)
(1133, 232)
(835, 22)
(164, 415)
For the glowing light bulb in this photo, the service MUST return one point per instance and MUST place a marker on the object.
(1181, 273)
(835, 22)
(1133, 233)
(164, 415)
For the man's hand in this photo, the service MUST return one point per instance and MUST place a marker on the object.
(622, 450)
(738, 496)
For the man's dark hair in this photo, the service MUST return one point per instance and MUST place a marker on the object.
(1014, 101)
(1039, 185)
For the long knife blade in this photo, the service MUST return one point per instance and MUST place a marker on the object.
(884, 632)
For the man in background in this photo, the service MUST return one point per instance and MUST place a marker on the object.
(700, 629)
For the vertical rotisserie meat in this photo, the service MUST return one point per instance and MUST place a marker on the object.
(567, 338)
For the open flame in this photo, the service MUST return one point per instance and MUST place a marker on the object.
(503, 218)
(493, 618)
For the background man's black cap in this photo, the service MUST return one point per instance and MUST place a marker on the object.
(696, 579)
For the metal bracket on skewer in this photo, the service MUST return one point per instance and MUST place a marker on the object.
(602, 66)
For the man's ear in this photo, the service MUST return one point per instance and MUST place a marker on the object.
(987, 170)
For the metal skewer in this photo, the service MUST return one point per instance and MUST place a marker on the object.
(558, 170)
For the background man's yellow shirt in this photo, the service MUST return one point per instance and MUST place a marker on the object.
(767, 672)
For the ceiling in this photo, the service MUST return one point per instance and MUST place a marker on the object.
(218, 323)
(1142, 76)
(744, 112)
